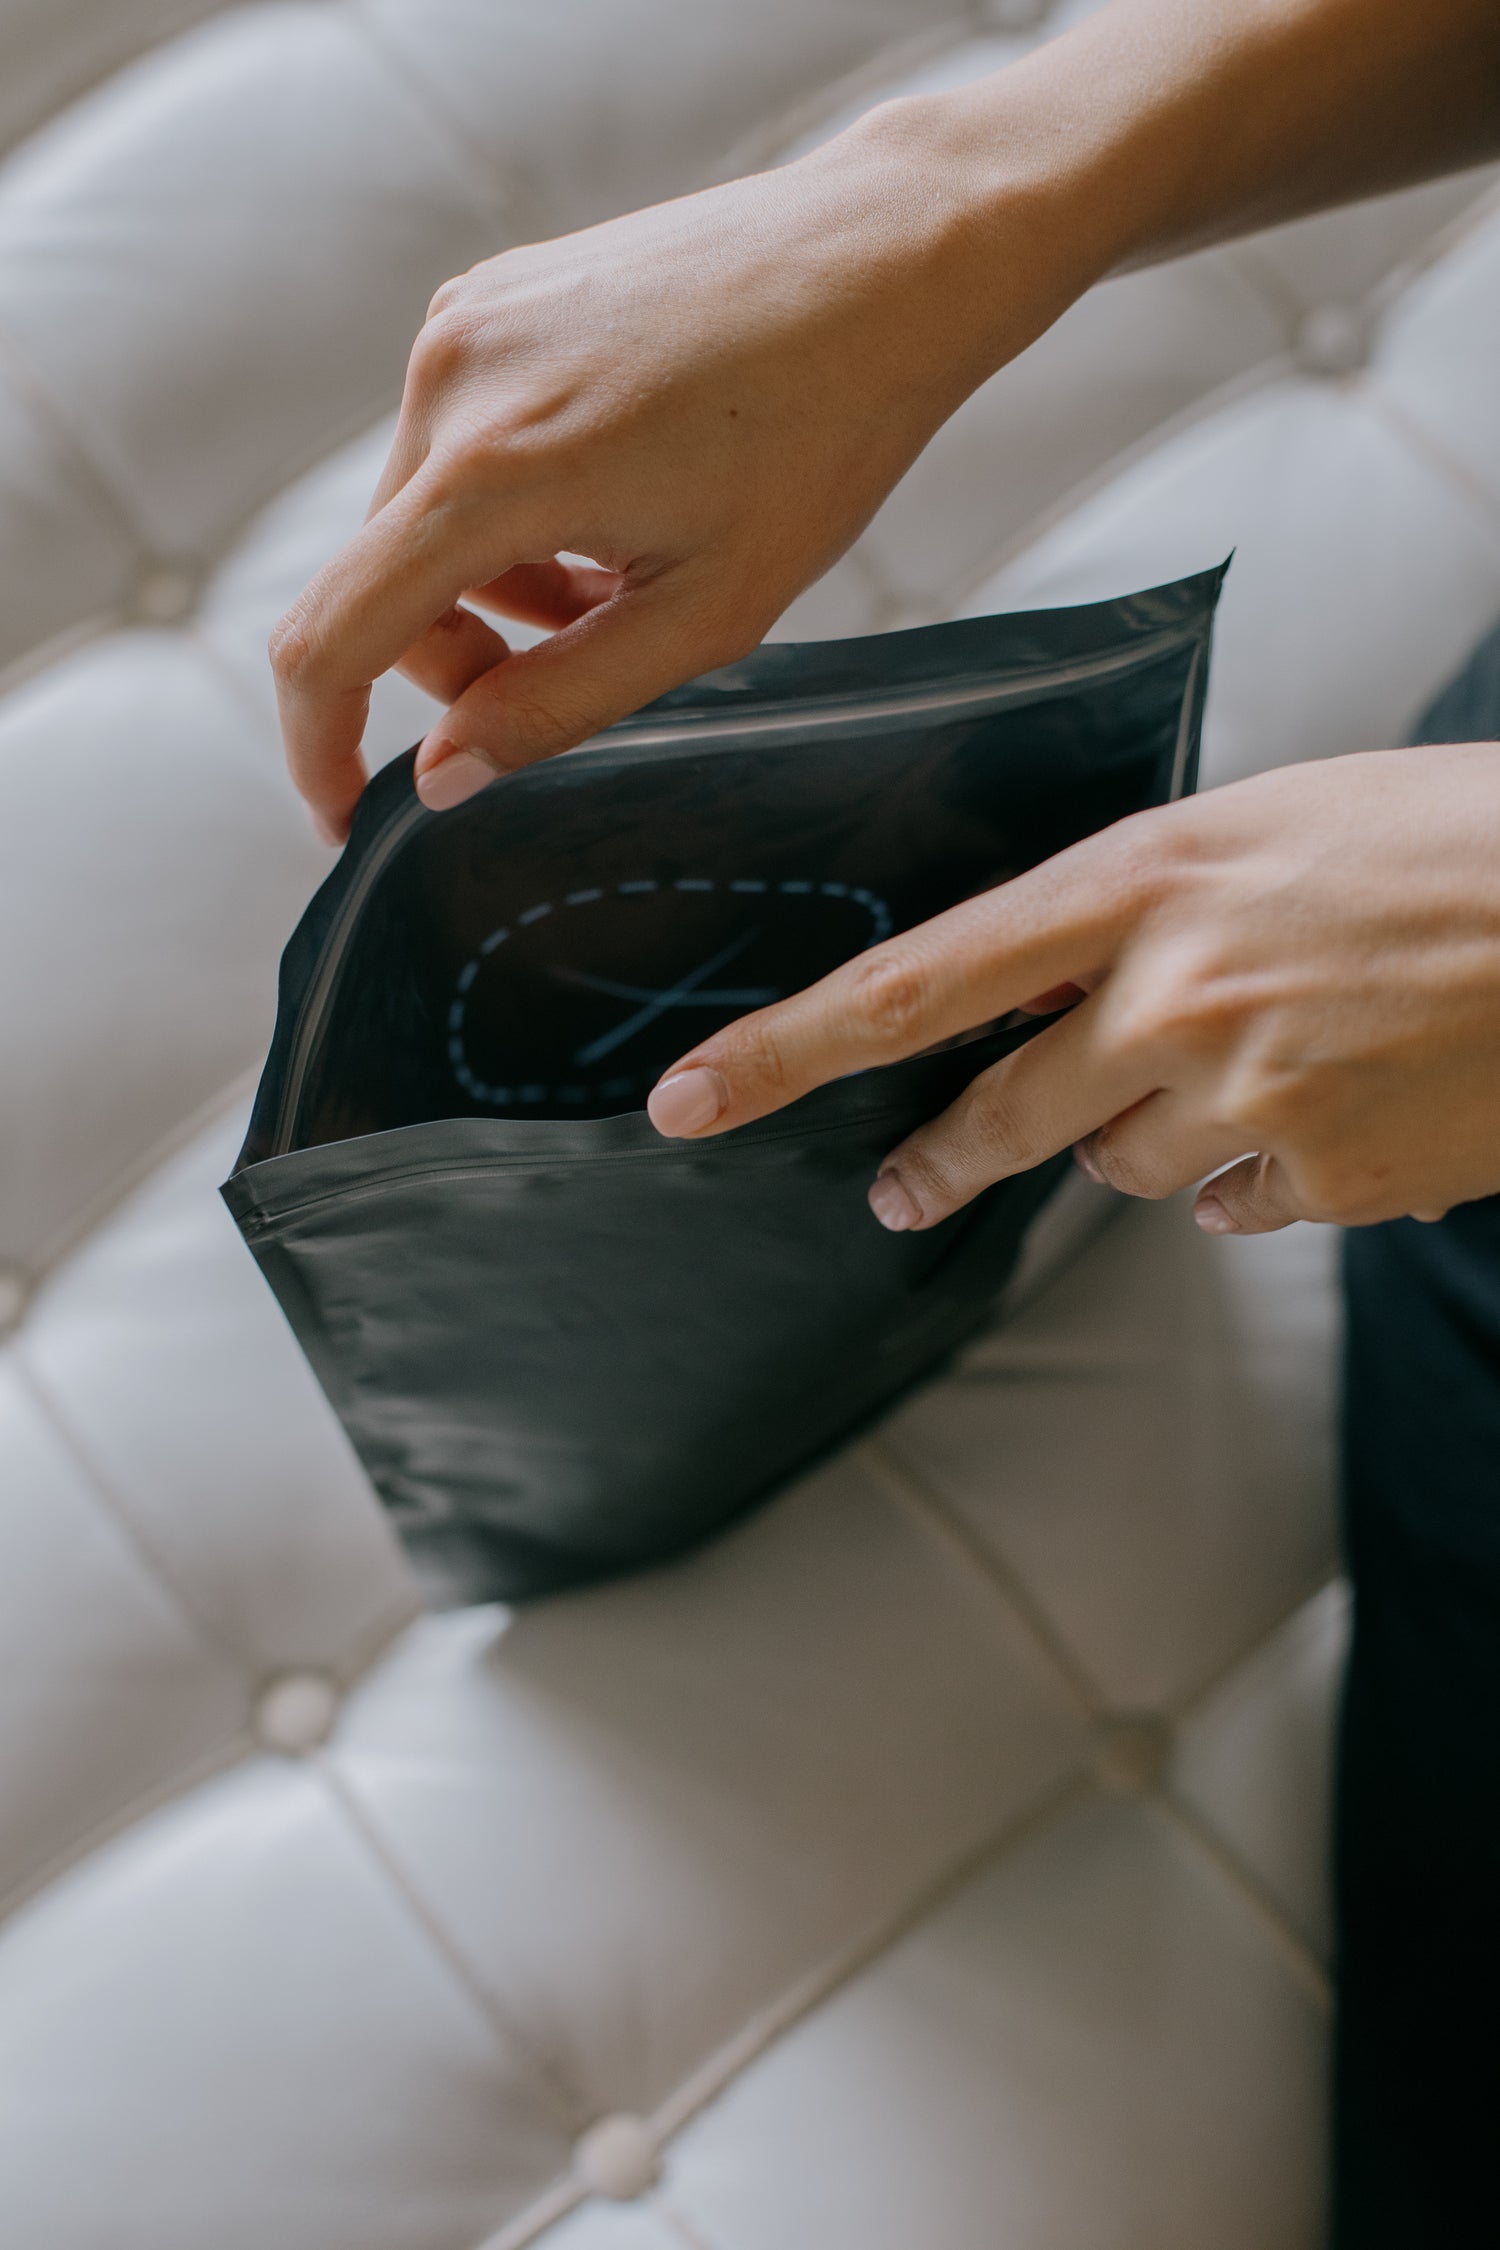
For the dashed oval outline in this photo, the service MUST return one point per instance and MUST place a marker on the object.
(641, 886)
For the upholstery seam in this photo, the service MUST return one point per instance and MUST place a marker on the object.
(44, 406)
(1265, 1908)
(1240, 257)
(989, 1567)
(358, 1650)
(766, 2026)
(218, 1758)
(1192, 1700)
(1444, 242)
(54, 649)
(506, 195)
(1431, 453)
(573, 2111)
(85, 88)
(764, 145)
(72, 1234)
(212, 1636)
(679, 2223)
(1196, 413)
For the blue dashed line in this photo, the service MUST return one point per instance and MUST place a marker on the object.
(507, 1097)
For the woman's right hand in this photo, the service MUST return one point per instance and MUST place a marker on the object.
(709, 398)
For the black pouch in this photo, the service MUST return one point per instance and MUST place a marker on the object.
(562, 1346)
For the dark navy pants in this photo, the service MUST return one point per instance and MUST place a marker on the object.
(1417, 2075)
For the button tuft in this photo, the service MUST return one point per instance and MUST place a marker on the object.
(15, 1287)
(618, 2157)
(165, 594)
(295, 1712)
(1332, 340)
(1129, 1750)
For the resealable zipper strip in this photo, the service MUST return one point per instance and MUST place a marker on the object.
(695, 731)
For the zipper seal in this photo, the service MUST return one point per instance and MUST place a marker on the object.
(975, 696)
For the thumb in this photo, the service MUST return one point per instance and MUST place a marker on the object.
(648, 637)
(1252, 1197)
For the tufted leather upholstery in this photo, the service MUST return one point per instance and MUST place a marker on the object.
(937, 1859)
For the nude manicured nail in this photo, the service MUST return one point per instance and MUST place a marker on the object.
(688, 1102)
(458, 778)
(328, 831)
(891, 1204)
(1212, 1216)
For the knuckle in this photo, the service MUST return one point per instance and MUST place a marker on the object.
(1132, 1171)
(447, 297)
(933, 1174)
(1147, 851)
(534, 731)
(443, 344)
(1137, 851)
(1179, 1003)
(296, 652)
(991, 1118)
(889, 995)
(752, 1059)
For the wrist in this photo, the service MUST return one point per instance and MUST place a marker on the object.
(1005, 213)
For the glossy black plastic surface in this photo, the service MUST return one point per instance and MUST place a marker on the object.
(562, 1346)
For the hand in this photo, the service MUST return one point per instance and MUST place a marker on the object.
(1305, 966)
(710, 399)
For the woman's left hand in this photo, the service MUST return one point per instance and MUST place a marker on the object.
(1304, 967)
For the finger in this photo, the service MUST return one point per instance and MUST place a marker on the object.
(407, 455)
(1022, 1110)
(551, 594)
(1252, 1197)
(1048, 1003)
(455, 649)
(359, 616)
(1161, 1145)
(1059, 924)
(648, 637)
(454, 652)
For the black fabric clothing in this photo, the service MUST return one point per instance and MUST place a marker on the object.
(1417, 1879)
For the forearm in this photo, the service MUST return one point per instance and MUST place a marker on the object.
(1157, 126)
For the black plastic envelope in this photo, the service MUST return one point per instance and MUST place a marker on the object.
(562, 1346)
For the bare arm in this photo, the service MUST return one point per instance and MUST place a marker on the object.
(712, 397)
(1186, 122)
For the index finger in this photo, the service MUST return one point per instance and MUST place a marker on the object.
(1061, 923)
(360, 614)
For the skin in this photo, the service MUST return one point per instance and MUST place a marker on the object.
(712, 397)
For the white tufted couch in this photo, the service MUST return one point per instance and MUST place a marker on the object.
(936, 1863)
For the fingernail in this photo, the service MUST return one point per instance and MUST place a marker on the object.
(1211, 1215)
(459, 777)
(1085, 1162)
(688, 1102)
(328, 831)
(891, 1204)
